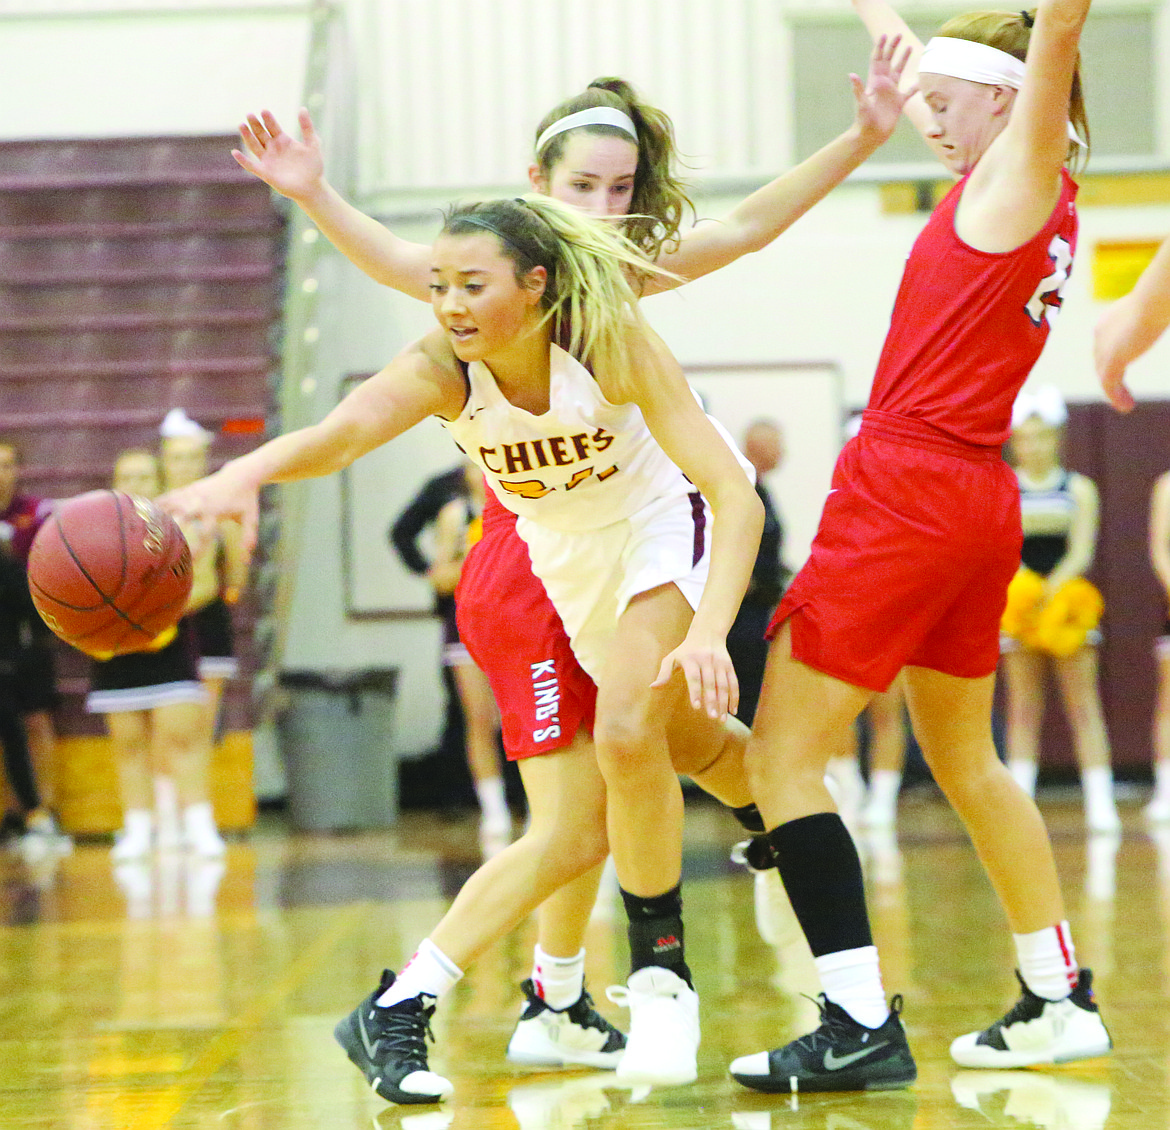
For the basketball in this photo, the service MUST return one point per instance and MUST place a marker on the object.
(109, 572)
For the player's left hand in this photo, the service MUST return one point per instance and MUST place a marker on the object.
(711, 682)
(879, 100)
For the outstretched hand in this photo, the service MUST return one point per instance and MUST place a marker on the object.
(293, 168)
(199, 507)
(1115, 344)
(879, 99)
(711, 682)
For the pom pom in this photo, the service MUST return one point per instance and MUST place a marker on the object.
(1065, 621)
(1024, 597)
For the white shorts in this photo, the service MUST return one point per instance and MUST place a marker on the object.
(591, 576)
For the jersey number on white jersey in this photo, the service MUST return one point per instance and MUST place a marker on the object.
(535, 488)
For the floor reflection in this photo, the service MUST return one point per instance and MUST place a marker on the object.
(189, 993)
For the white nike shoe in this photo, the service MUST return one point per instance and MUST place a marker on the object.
(1039, 1031)
(663, 1043)
(575, 1036)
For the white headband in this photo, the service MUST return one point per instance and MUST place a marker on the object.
(976, 62)
(1045, 402)
(597, 116)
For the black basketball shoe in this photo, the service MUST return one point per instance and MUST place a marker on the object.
(841, 1055)
(389, 1047)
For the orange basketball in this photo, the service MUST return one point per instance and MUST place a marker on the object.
(109, 572)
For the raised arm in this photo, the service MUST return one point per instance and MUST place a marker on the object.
(688, 437)
(881, 19)
(1130, 326)
(295, 170)
(416, 384)
(1015, 185)
(768, 211)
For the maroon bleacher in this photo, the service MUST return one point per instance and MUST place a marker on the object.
(136, 275)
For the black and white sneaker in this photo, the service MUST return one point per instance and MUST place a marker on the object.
(1037, 1030)
(841, 1055)
(389, 1047)
(550, 1037)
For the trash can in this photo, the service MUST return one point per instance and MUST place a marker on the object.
(335, 737)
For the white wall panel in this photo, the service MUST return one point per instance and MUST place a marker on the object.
(461, 84)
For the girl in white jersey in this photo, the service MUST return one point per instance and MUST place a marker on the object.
(607, 153)
(528, 293)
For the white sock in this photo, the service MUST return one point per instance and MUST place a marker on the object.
(1048, 961)
(884, 785)
(430, 971)
(166, 810)
(137, 825)
(493, 803)
(1097, 784)
(853, 979)
(559, 981)
(1025, 775)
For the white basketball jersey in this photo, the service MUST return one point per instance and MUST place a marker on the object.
(583, 464)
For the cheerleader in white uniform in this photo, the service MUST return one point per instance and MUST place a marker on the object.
(1060, 514)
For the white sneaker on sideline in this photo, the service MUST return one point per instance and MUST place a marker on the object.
(1158, 810)
(131, 845)
(663, 1042)
(207, 842)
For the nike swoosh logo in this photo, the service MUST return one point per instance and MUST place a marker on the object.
(371, 1049)
(835, 1063)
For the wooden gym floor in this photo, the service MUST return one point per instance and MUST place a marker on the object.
(204, 995)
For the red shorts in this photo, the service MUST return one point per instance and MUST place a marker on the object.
(515, 636)
(918, 541)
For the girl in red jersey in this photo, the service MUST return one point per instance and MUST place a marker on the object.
(917, 543)
(607, 153)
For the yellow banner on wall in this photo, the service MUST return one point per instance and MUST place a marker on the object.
(1117, 264)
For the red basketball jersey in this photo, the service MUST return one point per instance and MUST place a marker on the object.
(968, 325)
